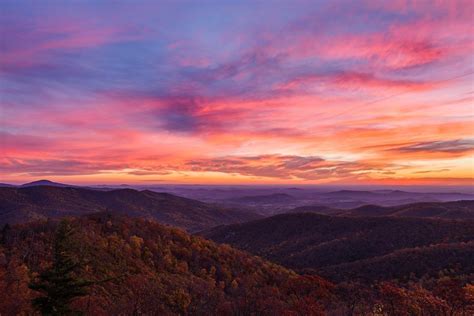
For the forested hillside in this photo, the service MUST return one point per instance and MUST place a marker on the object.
(150, 269)
(102, 264)
(349, 248)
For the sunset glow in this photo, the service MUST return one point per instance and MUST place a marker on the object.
(271, 92)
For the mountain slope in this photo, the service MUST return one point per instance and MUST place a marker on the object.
(318, 242)
(40, 202)
(152, 270)
(448, 258)
(140, 267)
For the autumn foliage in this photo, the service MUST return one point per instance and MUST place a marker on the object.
(151, 269)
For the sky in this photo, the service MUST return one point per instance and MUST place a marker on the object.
(237, 92)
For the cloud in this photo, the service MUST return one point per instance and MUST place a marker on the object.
(179, 115)
(149, 172)
(16, 143)
(56, 167)
(446, 146)
(354, 80)
(433, 171)
(281, 166)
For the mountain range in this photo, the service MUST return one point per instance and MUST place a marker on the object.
(463, 209)
(314, 260)
(282, 200)
(39, 202)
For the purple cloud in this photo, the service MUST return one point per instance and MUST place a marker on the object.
(447, 146)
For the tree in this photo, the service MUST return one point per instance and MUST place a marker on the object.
(4, 233)
(355, 297)
(395, 300)
(456, 296)
(59, 284)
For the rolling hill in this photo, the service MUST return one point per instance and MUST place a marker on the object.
(448, 210)
(332, 245)
(31, 203)
(349, 199)
(453, 259)
(271, 201)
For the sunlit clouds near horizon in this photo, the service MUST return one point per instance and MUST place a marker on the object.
(305, 92)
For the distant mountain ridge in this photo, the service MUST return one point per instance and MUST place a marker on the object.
(7, 185)
(35, 202)
(281, 200)
(463, 209)
(46, 183)
(269, 198)
(347, 199)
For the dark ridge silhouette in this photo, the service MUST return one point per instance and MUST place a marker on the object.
(7, 185)
(46, 183)
(40, 202)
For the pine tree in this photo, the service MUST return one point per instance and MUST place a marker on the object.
(4, 233)
(59, 285)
